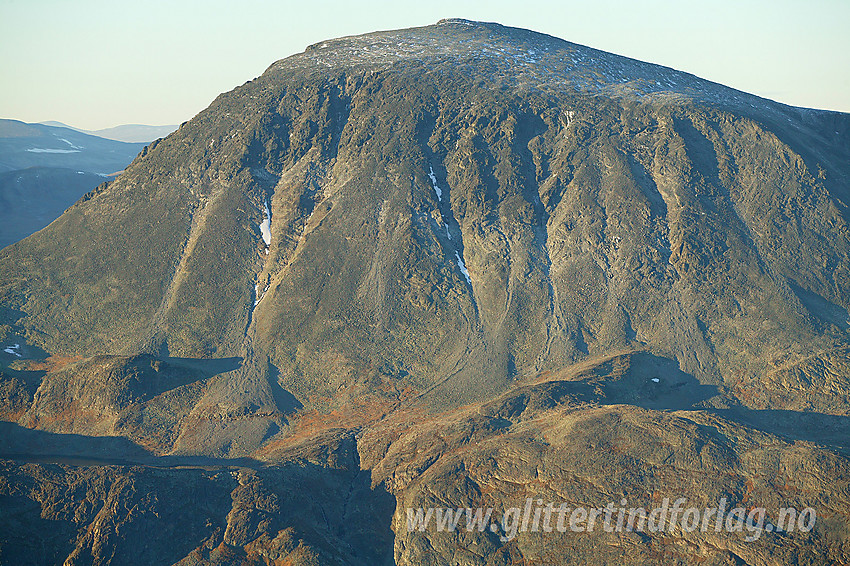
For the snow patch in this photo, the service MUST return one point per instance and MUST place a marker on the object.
(462, 267)
(434, 182)
(446, 21)
(266, 226)
(44, 150)
(13, 350)
(69, 143)
(258, 295)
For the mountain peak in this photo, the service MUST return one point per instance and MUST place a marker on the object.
(518, 58)
(461, 21)
(464, 263)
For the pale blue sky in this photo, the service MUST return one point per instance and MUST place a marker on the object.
(98, 63)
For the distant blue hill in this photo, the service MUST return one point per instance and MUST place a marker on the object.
(44, 169)
(132, 133)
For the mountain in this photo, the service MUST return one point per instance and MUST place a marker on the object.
(461, 265)
(130, 133)
(25, 145)
(134, 133)
(45, 169)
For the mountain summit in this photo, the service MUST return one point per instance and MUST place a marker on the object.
(517, 59)
(476, 263)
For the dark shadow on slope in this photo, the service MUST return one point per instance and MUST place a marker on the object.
(832, 431)
(334, 514)
(641, 379)
(145, 376)
(677, 390)
(647, 185)
(528, 127)
(23, 444)
(29, 538)
(822, 143)
(24, 351)
(656, 383)
(10, 316)
(651, 382)
(210, 366)
(30, 378)
(286, 402)
(821, 308)
(361, 519)
(700, 150)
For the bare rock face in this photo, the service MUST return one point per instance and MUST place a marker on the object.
(455, 266)
(122, 515)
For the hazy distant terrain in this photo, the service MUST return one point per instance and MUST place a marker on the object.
(131, 133)
(45, 169)
(455, 266)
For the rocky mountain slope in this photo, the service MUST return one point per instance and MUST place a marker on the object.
(468, 263)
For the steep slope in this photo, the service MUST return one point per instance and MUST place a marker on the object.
(448, 241)
(586, 214)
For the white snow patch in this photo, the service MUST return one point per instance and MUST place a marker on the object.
(44, 150)
(455, 21)
(434, 182)
(266, 226)
(462, 267)
(259, 296)
(448, 234)
(69, 143)
(13, 350)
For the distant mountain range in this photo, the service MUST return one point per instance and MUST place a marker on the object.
(130, 133)
(44, 169)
